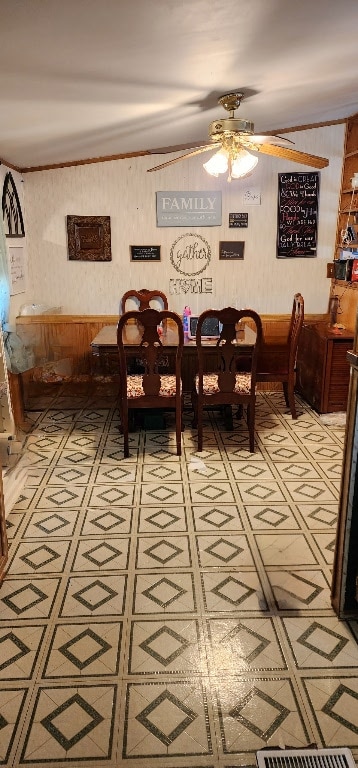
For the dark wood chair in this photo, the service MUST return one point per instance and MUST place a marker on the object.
(277, 362)
(150, 389)
(234, 380)
(144, 297)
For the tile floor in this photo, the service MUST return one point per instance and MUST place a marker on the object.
(174, 612)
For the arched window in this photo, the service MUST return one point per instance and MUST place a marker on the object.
(11, 209)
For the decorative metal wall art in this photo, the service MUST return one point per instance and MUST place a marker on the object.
(191, 285)
(190, 254)
(11, 209)
(89, 238)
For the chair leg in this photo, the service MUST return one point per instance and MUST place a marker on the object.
(120, 417)
(288, 389)
(194, 405)
(179, 423)
(124, 414)
(285, 393)
(251, 425)
(199, 415)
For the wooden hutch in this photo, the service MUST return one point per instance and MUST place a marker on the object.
(323, 371)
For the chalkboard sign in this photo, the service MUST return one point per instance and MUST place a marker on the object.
(297, 214)
(238, 220)
(145, 252)
(231, 249)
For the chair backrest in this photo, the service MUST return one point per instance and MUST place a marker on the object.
(146, 341)
(231, 355)
(296, 323)
(144, 297)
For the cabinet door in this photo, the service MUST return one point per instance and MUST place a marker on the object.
(338, 374)
(311, 365)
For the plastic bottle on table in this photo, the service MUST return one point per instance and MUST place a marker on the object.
(186, 315)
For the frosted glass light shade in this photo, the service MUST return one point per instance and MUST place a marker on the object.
(218, 163)
(243, 164)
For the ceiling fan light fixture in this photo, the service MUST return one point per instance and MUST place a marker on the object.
(243, 164)
(232, 135)
(218, 163)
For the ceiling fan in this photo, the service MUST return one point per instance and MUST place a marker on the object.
(235, 140)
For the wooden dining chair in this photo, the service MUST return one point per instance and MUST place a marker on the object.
(150, 389)
(144, 297)
(277, 362)
(233, 381)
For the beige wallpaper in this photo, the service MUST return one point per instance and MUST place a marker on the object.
(124, 191)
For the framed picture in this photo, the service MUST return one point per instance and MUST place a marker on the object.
(231, 249)
(89, 238)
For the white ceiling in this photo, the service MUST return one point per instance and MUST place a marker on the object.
(91, 78)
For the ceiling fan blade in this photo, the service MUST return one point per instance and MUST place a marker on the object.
(178, 147)
(262, 139)
(293, 154)
(189, 154)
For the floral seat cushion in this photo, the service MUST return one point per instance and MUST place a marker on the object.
(211, 385)
(135, 386)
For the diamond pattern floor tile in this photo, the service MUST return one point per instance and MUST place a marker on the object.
(19, 649)
(67, 726)
(260, 713)
(166, 647)
(96, 595)
(166, 720)
(86, 650)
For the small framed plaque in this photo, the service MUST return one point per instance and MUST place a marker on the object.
(231, 249)
(238, 220)
(89, 238)
(145, 252)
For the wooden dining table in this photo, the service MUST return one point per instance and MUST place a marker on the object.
(104, 348)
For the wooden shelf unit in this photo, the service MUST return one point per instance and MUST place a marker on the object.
(348, 204)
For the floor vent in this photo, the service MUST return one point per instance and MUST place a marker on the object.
(305, 758)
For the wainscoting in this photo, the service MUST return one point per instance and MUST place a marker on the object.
(63, 360)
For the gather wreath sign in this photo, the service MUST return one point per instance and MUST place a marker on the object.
(190, 254)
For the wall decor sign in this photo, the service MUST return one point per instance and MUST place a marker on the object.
(145, 252)
(251, 196)
(190, 254)
(89, 238)
(11, 209)
(297, 222)
(238, 220)
(17, 269)
(186, 285)
(231, 249)
(183, 209)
